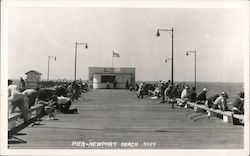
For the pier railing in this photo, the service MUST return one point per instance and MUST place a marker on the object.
(227, 116)
(34, 113)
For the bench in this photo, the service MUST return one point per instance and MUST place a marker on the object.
(13, 128)
(194, 105)
(238, 118)
(14, 116)
(227, 116)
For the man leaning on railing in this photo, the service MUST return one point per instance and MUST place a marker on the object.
(17, 99)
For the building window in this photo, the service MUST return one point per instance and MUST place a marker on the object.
(107, 78)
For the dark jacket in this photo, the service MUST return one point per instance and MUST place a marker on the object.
(238, 103)
(192, 96)
(202, 96)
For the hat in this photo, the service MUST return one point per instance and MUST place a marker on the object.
(205, 89)
(224, 94)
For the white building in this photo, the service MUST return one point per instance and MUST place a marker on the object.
(100, 77)
(33, 79)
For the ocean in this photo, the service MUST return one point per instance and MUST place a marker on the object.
(232, 88)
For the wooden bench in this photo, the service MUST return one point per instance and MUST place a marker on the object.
(191, 104)
(227, 116)
(14, 116)
(238, 118)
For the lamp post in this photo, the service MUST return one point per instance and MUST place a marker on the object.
(172, 59)
(86, 47)
(168, 59)
(49, 64)
(187, 53)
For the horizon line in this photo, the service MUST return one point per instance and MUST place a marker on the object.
(148, 80)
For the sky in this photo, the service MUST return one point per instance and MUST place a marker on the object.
(34, 33)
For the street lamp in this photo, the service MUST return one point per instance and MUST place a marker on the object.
(172, 59)
(48, 65)
(187, 53)
(86, 47)
(168, 59)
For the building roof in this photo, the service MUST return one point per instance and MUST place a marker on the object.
(34, 71)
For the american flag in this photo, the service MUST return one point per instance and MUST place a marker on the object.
(115, 54)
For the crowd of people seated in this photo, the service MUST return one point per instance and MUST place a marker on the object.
(168, 92)
(55, 99)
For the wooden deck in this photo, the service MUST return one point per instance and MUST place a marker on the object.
(118, 116)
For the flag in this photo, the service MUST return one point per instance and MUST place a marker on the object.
(116, 54)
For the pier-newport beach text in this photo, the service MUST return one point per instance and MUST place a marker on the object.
(112, 144)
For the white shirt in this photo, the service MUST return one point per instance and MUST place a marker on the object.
(184, 93)
(62, 100)
(219, 99)
(13, 93)
(28, 92)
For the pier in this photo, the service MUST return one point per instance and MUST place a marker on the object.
(117, 119)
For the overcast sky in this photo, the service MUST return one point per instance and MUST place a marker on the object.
(216, 35)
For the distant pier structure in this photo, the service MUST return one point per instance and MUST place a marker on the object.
(106, 77)
(33, 79)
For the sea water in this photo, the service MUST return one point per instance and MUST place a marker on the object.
(232, 88)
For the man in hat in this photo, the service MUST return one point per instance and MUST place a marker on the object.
(22, 84)
(140, 92)
(163, 87)
(202, 97)
(221, 102)
(238, 104)
(192, 95)
(167, 92)
(184, 96)
(184, 93)
(209, 103)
